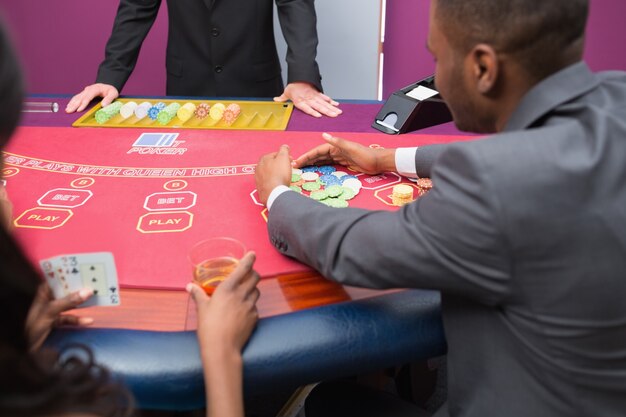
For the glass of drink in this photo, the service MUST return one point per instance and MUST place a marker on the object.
(213, 260)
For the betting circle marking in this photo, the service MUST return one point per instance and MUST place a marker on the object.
(82, 182)
(9, 172)
(175, 185)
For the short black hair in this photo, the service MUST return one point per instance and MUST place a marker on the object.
(540, 33)
(11, 88)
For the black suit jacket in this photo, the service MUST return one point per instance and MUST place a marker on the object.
(217, 47)
(524, 234)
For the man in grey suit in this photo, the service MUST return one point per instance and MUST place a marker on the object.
(218, 48)
(524, 232)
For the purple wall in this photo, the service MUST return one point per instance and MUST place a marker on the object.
(407, 60)
(61, 43)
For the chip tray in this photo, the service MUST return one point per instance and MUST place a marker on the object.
(255, 115)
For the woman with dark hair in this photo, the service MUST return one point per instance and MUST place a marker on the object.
(35, 381)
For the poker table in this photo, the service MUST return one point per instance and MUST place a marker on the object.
(81, 190)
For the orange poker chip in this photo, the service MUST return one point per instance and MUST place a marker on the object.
(425, 184)
(231, 113)
(202, 111)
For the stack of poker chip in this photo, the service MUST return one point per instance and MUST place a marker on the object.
(141, 111)
(186, 111)
(231, 113)
(167, 114)
(202, 111)
(217, 111)
(326, 185)
(153, 112)
(402, 194)
(128, 109)
(425, 185)
(106, 113)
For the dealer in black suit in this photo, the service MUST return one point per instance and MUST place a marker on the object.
(219, 48)
(524, 232)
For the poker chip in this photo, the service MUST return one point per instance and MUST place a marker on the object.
(353, 183)
(348, 177)
(296, 171)
(167, 114)
(334, 190)
(329, 186)
(102, 117)
(337, 203)
(186, 112)
(202, 111)
(311, 186)
(299, 183)
(217, 111)
(142, 110)
(106, 113)
(402, 194)
(296, 189)
(153, 112)
(425, 184)
(310, 176)
(231, 113)
(319, 195)
(295, 177)
(329, 179)
(128, 109)
(347, 193)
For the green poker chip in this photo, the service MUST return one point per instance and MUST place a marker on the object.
(334, 190)
(295, 177)
(311, 186)
(296, 189)
(319, 195)
(337, 203)
(347, 194)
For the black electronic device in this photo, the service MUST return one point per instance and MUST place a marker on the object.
(413, 107)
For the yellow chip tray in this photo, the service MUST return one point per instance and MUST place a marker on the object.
(255, 115)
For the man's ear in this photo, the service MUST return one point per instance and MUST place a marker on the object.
(485, 68)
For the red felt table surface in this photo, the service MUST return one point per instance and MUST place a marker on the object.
(91, 190)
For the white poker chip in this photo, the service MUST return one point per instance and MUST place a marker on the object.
(296, 171)
(352, 183)
(310, 176)
(128, 109)
(141, 110)
(339, 174)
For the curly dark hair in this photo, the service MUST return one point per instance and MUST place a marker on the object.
(46, 383)
(42, 383)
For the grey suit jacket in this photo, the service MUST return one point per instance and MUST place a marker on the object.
(524, 234)
(222, 48)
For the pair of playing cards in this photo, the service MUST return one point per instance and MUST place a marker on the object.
(68, 273)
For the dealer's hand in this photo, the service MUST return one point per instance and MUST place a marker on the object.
(45, 313)
(81, 100)
(273, 169)
(350, 154)
(226, 319)
(306, 98)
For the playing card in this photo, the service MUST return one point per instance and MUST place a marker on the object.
(69, 273)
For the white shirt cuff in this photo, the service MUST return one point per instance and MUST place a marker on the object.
(405, 162)
(275, 193)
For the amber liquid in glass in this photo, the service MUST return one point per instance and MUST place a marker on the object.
(208, 274)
